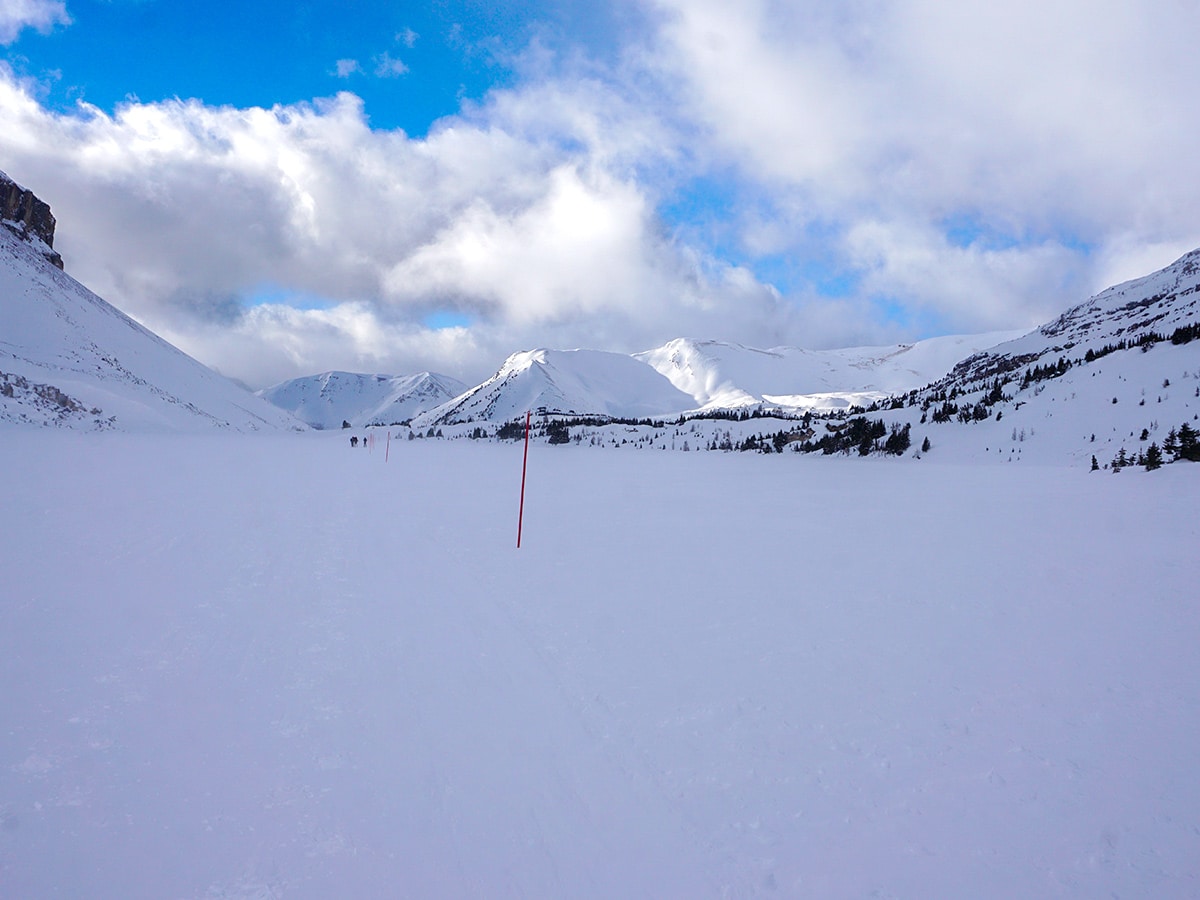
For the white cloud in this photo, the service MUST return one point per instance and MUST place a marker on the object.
(968, 288)
(344, 68)
(408, 38)
(171, 209)
(1065, 121)
(42, 15)
(387, 66)
(271, 343)
(971, 165)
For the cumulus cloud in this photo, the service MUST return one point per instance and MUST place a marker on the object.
(42, 15)
(1057, 125)
(170, 209)
(956, 167)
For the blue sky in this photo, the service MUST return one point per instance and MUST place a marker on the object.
(296, 187)
(412, 63)
(416, 61)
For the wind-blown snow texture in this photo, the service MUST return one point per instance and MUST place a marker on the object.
(287, 668)
(328, 400)
(68, 358)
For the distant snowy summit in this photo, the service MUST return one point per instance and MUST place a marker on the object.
(725, 375)
(71, 360)
(332, 398)
(569, 382)
(686, 375)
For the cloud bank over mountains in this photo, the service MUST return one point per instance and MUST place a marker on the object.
(815, 174)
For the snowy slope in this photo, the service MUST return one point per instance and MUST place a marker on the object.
(725, 375)
(1087, 384)
(329, 399)
(68, 358)
(810, 677)
(577, 382)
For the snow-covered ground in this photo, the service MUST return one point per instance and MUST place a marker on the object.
(274, 666)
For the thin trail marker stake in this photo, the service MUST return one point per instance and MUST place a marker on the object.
(387, 447)
(524, 466)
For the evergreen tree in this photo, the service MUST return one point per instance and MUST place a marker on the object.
(1153, 458)
(925, 445)
(1095, 465)
(898, 441)
(510, 431)
(1171, 444)
(1189, 446)
(558, 432)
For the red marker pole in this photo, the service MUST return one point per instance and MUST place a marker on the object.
(524, 466)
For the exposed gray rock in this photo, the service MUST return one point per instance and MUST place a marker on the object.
(27, 216)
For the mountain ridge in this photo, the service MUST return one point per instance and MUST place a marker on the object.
(331, 398)
(70, 359)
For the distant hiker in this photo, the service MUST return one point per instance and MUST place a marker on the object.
(353, 441)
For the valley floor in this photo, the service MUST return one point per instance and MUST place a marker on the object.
(260, 667)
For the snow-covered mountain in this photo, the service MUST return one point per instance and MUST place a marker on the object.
(1116, 377)
(1132, 312)
(1120, 371)
(68, 358)
(726, 375)
(329, 399)
(573, 382)
(686, 375)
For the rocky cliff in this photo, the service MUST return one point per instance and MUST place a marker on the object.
(28, 217)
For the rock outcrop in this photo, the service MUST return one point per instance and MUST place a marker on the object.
(27, 216)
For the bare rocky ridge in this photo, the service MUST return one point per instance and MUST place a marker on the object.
(27, 216)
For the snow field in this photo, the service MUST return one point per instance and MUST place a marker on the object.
(279, 667)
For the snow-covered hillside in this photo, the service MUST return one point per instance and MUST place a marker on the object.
(68, 358)
(725, 375)
(578, 382)
(329, 399)
(1119, 371)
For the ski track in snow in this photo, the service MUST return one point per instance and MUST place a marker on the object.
(278, 667)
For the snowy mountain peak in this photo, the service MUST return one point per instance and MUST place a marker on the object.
(574, 382)
(331, 398)
(727, 375)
